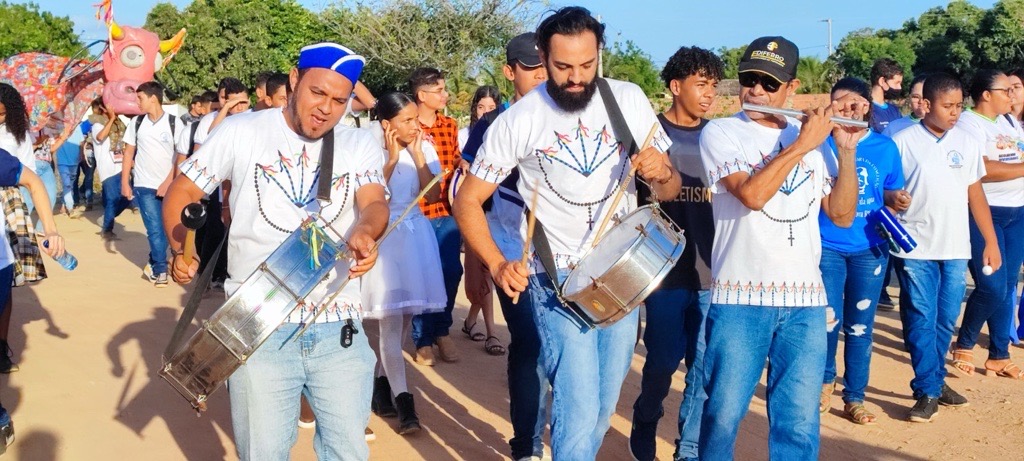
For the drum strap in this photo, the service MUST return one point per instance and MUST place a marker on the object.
(621, 130)
(547, 259)
(323, 187)
(192, 305)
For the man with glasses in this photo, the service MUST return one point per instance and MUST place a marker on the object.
(770, 182)
(427, 86)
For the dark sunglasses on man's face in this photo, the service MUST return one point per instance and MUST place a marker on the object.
(751, 79)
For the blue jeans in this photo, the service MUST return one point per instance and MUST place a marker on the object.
(852, 281)
(45, 172)
(83, 193)
(675, 321)
(992, 299)
(930, 297)
(426, 328)
(67, 185)
(739, 339)
(150, 206)
(113, 202)
(586, 368)
(336, 381)
(527, 383)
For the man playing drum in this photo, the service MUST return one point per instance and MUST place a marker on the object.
(770, 182)
(560, 137)
(273, 159)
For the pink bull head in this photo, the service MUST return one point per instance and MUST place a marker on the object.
(132, 58)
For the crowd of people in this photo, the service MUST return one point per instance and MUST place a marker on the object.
(782, 219)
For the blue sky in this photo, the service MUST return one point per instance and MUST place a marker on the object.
(658, 27)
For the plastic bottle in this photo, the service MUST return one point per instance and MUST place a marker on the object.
(67, 261)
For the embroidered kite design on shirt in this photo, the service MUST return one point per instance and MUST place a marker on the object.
(582, 149)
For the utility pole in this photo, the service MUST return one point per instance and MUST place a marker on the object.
(829, 21)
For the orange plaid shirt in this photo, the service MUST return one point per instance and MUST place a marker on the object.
(444, 135)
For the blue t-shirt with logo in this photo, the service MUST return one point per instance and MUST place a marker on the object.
(878, 169)
(882, 114)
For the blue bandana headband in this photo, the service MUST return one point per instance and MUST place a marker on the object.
(334, 57)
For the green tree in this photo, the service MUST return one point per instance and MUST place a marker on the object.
(459, 37)
(628, 62)
(816, 76)
(233, 38)
(1001, 36)
(25, 28)
(731, 60)
(859, 50)
(945, 39)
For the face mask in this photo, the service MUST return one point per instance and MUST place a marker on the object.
(892, 93)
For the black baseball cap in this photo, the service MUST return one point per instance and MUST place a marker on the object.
(523, 49)
(772, 56)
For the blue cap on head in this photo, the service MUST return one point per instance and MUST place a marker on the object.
(332, 56)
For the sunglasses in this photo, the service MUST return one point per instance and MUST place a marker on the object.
(752, 79)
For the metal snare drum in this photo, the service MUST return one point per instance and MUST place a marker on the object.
(251, 314)
(628, 264)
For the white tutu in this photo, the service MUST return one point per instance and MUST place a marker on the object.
(407, 278)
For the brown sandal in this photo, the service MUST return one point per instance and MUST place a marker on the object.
(963, 360)
(1011, 370)
(859, 414)
(825, 401)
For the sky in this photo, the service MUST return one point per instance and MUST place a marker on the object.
(658, 27)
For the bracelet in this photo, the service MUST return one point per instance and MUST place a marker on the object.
(177, 253)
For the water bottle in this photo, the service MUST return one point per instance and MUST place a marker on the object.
(68, 260)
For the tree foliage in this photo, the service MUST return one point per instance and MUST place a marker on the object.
(457, 36)
(233, 38)
(25, 28)
(816, 76)
(628, 62)
(731, 60)
(959, 39)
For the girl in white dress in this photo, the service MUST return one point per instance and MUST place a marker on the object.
(407, 279)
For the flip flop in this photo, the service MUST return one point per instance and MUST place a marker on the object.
(494, 347)
(473, 335)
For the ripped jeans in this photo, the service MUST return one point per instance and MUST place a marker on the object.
(852, 281)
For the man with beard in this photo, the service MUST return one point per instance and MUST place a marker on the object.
(265, 154)
(560, 137)
(769, 182)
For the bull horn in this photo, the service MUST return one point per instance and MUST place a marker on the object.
(172, 44)
(115, 31)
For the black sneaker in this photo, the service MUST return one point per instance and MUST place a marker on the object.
(924, 409)
(886, 303)
(6, 364)
(951, 398)
(642, 440)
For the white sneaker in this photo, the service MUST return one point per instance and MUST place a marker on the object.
(370, 436)
(147, 272)
(307, 424)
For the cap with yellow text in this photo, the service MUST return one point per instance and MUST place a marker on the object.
(772, 56)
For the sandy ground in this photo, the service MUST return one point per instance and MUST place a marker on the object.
(89, 344)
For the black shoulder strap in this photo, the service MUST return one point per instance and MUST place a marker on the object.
(138, 124)
(323, 188)
(171, 121)
(547, 259)
(621, 130)
(192, 138)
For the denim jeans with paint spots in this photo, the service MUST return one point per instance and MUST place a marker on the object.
(852, 281)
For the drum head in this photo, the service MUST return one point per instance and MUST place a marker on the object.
(453, 187)
(613, 246)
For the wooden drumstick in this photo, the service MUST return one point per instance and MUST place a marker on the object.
(531, 222)
(415, 203)
(623, 186)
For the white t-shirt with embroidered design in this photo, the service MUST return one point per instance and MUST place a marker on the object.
(154, 149)
(273, 172)
(573, 161)
(768, 257)
(938, 172)
(1002, 143)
